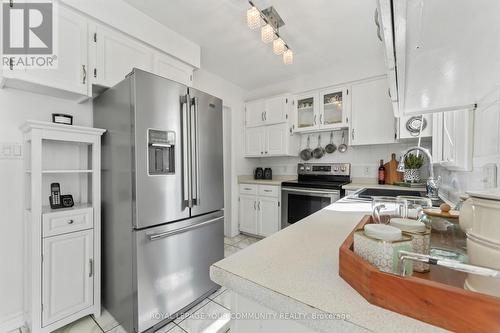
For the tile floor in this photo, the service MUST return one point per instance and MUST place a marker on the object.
(194, 321)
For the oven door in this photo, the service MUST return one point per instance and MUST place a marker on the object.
(298, 203)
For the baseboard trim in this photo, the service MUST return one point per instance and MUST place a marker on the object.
(11, 322)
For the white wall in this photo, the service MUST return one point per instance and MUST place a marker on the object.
(364, 160)
(15, 108)
(232, 96)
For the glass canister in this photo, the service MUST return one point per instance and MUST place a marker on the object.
(414, 206)
(381, 253)
(448, 239)
(421, 239)
(385, 208)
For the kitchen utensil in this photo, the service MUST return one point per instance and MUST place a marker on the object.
(343, 147)
(306, 154)
(386, 208)
(480, 214)
(391, 174)
(331, 147)
(319, 151)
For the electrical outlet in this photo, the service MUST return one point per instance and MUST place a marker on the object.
(366, 171)
(489, 178)
(10, 151)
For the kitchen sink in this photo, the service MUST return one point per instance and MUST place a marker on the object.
(369, 193)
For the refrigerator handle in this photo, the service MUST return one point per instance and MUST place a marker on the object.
(195, 144)
(186, 152)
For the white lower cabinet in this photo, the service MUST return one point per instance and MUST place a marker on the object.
(67, 275)
(268, 216)
(260, 213)
(248, 214)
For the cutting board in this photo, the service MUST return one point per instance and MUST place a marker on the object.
(392, 176)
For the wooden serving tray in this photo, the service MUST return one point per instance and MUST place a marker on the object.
(437, 297)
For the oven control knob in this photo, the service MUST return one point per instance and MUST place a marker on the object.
(336, 169)
(301, 168)
(308, 168)
(343, 168)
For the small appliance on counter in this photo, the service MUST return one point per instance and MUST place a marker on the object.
(258, 173)
(268, 173)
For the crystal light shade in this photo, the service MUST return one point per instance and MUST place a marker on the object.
(253, 18)
(288, 57)
(267, 33)
(278, 46)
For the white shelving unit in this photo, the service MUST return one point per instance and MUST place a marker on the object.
(62, 246)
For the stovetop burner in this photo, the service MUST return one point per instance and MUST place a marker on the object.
(321, 176)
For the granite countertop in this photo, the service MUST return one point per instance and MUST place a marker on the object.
(308, 281)
(277, 180)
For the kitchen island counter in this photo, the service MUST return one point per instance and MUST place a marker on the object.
(296, 271)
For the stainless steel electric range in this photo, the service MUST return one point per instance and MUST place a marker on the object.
(318, 185)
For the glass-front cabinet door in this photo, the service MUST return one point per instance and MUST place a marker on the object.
(306, 112)
(334, 106)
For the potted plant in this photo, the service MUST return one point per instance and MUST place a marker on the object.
(413, 163)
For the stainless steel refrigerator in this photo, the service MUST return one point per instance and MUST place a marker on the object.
(162, 197)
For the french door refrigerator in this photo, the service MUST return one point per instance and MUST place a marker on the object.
(162, 197)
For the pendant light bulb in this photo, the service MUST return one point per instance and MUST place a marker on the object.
(278, 46)
(253, 18)
(288, 57)
(267, 33)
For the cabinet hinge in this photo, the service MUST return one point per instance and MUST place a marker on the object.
(347, 92)
(286, 116)
(286, 100)
(95, 37)
(279, 204)
(11, 3)
(95, 72)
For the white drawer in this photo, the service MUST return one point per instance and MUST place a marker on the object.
(248, 189)
(56, 223)
(269, 191)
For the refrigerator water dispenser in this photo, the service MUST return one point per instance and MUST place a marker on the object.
(161, 152)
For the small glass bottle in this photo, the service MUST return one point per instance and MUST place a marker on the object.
(381, 173)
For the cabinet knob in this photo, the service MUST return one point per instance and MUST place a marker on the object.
(70, 222)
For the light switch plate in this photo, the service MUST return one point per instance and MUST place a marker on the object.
(490, 175)
(11, 150)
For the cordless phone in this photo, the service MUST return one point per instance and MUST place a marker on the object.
(55, 195)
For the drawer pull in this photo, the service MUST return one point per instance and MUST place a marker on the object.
(267, 190)
(247, 189)
(71, 222)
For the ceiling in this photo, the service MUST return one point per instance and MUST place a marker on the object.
(324, 34)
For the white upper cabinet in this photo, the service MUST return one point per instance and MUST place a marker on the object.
(452, 142)
(270, 140)
(268, 111)
(116, 56)
(254, 113)
(334, 107)
(322, 110)
(72, 72)
(372, 119)
(306, 108)
(446, 52)
(172, 69)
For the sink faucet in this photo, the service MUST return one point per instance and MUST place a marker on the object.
(432, 183)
